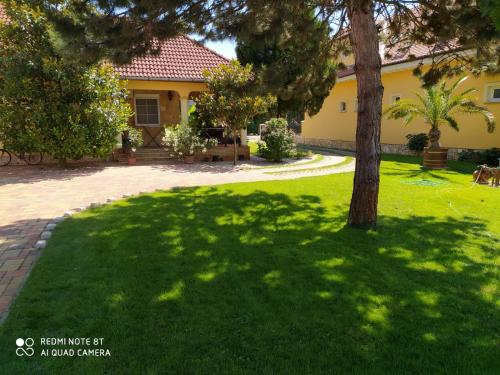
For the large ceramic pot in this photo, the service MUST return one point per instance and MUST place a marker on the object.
(435, 158)
(189, 159)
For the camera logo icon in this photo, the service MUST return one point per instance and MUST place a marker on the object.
(25, 347)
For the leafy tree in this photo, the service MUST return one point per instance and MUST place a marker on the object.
(438, 106)
(121, 29)
(65, 110)
(229, 100)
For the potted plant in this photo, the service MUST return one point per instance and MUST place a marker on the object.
(185, 142)
(437, 106)
(131, 139)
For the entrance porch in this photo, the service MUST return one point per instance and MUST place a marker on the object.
(154, 109)
(166, 103)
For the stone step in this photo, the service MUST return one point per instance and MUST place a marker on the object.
(147, 150)
(151, 157)
(138, 155)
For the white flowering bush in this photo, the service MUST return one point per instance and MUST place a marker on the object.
(183, 140)
(278, 141)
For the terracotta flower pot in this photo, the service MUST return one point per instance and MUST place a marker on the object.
(189, 159)
(131, 160)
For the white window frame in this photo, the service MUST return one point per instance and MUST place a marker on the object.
(394, 96)
(342, 110)
(147, 96)
(488, 92)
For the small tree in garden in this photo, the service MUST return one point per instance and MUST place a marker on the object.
(278, 140)
(46, 104)
(228, 99)
(438, 106)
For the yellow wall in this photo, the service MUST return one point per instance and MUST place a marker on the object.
(330, 123)
(182, 88)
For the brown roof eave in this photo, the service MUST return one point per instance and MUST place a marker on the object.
(408, 60)
(165, 79)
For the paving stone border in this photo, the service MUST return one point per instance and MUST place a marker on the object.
(17, 266)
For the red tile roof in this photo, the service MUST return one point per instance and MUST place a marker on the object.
(3, 16)
(180, 59)
(415, 52)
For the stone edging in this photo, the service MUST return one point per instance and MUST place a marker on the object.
(46, 234)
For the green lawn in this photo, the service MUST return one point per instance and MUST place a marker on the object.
(253, 147)
(264, 278)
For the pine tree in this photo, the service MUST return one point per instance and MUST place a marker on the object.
(281, 56)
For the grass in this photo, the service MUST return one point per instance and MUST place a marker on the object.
(312, 148)
(316, 158)
(254, 148)
(347, 160)
(266, 278)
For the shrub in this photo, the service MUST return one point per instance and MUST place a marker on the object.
(278, 141)
(186, 141)
(47, 104)
(417, 142)
(489, 157)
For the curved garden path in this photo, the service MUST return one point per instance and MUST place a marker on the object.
(31, 197)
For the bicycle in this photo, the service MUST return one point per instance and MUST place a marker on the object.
(30, 158)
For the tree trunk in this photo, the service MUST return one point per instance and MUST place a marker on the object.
(365, 46)
(434, 136)
(234, 144)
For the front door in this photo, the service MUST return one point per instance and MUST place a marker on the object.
(152, 136)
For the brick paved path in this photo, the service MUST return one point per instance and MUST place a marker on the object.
(31, 197)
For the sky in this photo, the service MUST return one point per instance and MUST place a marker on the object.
(225, 48)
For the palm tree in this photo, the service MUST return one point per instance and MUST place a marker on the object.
(438, 105)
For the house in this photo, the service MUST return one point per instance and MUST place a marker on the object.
(335, 124)
(163, 86)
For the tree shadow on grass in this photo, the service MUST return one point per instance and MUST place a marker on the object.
(213, 281)
(421, 172)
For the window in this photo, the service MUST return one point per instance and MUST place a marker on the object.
(147, 110)
(343, 107)
(395, 98)
(493, 93)
(496, 94)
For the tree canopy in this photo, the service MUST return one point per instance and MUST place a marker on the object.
(46, 104)
(281, 56)
(122, 29)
